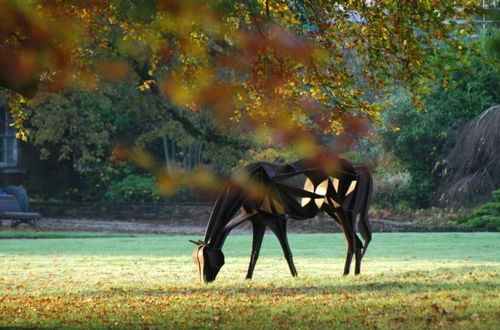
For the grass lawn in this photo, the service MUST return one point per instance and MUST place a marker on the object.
(12, 234)
(408, 281)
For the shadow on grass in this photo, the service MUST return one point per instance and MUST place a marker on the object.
(402, 283)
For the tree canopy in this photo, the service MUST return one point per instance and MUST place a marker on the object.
(269, 65)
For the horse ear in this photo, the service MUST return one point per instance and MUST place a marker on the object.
(198, 243)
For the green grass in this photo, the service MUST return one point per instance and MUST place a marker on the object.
(14, 234)
(408, 281)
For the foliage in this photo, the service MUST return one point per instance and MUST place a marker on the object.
(390, 177)
(492, 47)
(485, 222)
(387, 186)
(147, 281)
(99, 178)
(486, 217)
(76, 126)
(134, 188)
(431, 218)
(419, 138)
(75, 130)
(472, 166)
(282, 65)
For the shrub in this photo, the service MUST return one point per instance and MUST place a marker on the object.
(487, 217)
(387, 187)
(472, 167)
(134, 188)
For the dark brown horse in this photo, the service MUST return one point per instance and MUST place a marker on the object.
(268, 195)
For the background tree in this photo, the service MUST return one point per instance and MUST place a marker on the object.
(421, 139)
(78, 129)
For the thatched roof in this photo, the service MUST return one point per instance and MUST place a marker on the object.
(472, 168)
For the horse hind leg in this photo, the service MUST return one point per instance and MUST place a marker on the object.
(258, 235)
(359, 256)
(342, 219)
(348, 261)
(358, 245)
(354, 245)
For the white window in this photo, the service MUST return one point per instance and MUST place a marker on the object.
(8, 141)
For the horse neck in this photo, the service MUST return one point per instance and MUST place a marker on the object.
(216, 241)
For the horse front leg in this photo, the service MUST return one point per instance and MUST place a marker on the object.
(258, 235)
(278, 226)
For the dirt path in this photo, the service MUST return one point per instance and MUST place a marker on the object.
(149, 227)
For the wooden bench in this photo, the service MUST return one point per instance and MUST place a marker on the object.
(11, 209)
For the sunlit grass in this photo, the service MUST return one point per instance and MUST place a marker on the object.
(11, 234)
(407, 280)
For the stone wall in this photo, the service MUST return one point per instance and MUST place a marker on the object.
(197, 214)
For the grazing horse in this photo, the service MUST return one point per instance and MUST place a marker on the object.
(268, 194)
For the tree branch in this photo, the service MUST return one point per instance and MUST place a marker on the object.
(208, 134)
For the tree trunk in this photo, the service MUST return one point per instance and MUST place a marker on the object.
(166, 153)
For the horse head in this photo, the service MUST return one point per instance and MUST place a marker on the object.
(208, 261)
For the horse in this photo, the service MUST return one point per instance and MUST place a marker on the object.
(268, 194)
